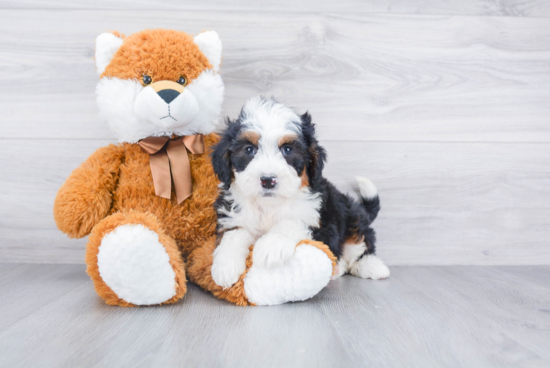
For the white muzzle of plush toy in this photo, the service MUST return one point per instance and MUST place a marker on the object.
(166, 104)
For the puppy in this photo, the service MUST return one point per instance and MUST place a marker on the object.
(273, 195)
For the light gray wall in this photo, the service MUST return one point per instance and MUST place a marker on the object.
(445, 105)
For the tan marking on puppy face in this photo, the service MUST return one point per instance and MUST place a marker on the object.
(305, 179)
(356, 238)
(251, 136)
(285, 139)
(159, 53)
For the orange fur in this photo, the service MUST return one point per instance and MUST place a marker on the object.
(189, 222)
(118, 34)
(116, 182)
(159, 53)
(86, 196)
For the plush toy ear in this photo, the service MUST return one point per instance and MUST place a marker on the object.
(106, 45)
(211, 46)
(317, 155)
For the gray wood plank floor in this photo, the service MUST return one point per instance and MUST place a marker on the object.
(454, 316)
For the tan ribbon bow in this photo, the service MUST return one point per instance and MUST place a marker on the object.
(168, 160)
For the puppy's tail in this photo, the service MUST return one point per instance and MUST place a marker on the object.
(369, 197)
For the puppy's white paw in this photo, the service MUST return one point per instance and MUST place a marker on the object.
(228, 266)
(370, 267)
(273, 250)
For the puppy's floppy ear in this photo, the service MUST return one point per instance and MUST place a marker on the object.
(317, 155)
(221, 159)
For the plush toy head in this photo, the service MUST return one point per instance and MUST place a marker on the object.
(158, 83)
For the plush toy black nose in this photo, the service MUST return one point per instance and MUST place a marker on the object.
(168, 95)
(268, 182)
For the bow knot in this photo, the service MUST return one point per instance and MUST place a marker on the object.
(169, 162)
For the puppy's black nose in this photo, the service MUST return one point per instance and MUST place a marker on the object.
(268, 182)
(168, 95)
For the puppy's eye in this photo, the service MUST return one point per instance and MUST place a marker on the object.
(287, 150)
(250, 151)
(182, 80)
(147, 80)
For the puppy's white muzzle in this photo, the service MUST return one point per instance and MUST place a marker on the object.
(268, 175)
(177, 113)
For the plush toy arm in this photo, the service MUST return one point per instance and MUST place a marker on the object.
(302, 277)
(86, 196)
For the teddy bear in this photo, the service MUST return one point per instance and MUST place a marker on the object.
(147, 202)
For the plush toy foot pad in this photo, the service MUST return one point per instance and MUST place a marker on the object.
(132, 262)
(135, 265)
(302, 277)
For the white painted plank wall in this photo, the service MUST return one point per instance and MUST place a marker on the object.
(515, 8)
(363, 77)
(448, 114)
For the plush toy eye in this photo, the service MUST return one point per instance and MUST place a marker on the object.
(147, 80)
(250, 151)
(182, 80)
(287, 150)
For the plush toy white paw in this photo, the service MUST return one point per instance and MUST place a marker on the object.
(306, 273)
(135, 265)
(273, 249)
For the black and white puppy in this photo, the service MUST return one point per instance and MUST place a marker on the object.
(273, 195)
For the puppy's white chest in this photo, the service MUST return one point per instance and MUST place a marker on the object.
(259, 216)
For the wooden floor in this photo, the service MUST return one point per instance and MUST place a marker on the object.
(454, 316)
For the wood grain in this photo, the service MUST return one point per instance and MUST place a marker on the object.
(523, 8)
(31, 281)
(373, 77)
(534, 274)
(472, 316)
(420, 317)
(442, 203)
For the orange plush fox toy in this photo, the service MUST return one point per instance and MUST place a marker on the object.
(147, 203)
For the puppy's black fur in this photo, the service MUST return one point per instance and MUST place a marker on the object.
(342, 219)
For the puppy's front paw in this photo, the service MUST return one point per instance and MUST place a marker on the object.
(227, 267)
(273, 250)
